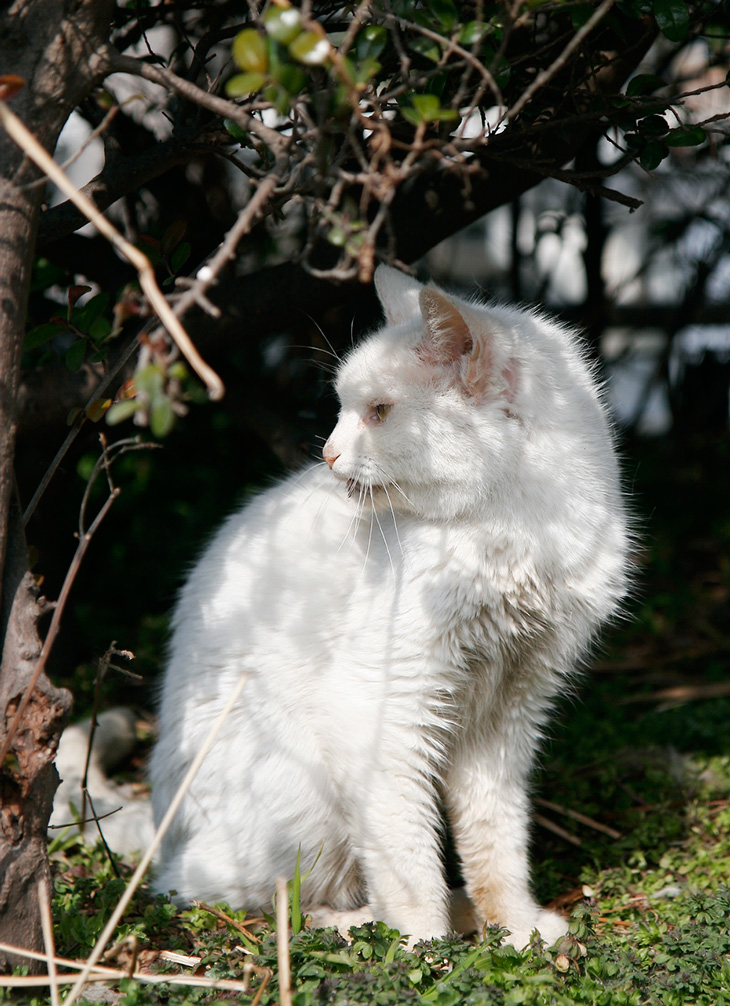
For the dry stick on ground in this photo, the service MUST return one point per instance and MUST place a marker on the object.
(152, 849)
(102, 973)
(28, 143)
(577, 816)
(47, 924)
(549, 825)
(679, 694)
(282, 941)
(241, 927)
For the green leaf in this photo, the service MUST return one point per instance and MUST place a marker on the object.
(162, 417)
(41, 334)
(173, 236)
(580, 14)
(45, 274)
(99, 329)
(367, 69)
(446, 13)
(283, 24)
(337, 236)
(652, 125)
(149, 381)
(427, 108)
(243, 84)
(98, 408)
(310, 48)
(151, 248)
(234, 130)
(85, 316)
(180, 256)
(249, 51)
(685, 136)
(653, 154)
(296, 890)
(122, 410)
(473, 32)
(291, 78)
(672, 18)
(644, 83)
(426, 47)
(75, 354)
(371, 41)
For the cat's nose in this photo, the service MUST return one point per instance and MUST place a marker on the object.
(329, 454)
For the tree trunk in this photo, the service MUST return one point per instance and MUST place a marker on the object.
(54, 47)
(29, 778)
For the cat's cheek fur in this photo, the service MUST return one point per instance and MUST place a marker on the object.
(405, 654)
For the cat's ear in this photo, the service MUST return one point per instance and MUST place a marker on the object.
(448, 337)
(398, 294)
(463, 340)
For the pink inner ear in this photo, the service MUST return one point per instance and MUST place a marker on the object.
(447, 336)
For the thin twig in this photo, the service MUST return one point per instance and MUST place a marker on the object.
(76, 428)
(682, 693)
(97, 131)
(545, 822)
(230, 921)
(152, 849)
(208, 273)
(47, 926)
(282, 941)
(577, 816)
(104, 664)
(121, 447)
(147, 280)
(102, 973)
(549, 72)
(116, 63)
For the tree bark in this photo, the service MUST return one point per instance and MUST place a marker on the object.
(53, 46)
(29, 779)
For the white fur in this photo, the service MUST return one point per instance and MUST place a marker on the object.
(403, 644)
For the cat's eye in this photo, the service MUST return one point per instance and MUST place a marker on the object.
(381, 411)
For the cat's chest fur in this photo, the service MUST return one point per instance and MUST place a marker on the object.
(307, 577)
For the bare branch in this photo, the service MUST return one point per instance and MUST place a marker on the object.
(546, 75)
(25, 139)
(186, 89)
(85, 537)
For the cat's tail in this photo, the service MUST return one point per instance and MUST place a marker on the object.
(126, 819)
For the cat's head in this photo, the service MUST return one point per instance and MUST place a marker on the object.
(429, 404)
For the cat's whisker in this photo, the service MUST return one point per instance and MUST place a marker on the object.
(370, 531)
(395, 485)
(319, 328)
(382, 532)
(395, 522)
(352, 526)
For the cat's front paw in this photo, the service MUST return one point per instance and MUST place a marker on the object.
(324, 917)
(550, 925)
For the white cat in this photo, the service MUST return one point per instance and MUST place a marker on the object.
(406, 614)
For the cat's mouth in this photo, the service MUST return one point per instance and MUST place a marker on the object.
(362, 492)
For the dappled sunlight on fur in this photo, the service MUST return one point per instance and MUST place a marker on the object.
(406, 613)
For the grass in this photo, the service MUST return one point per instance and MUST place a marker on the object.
(642, 754)
(649, 910)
